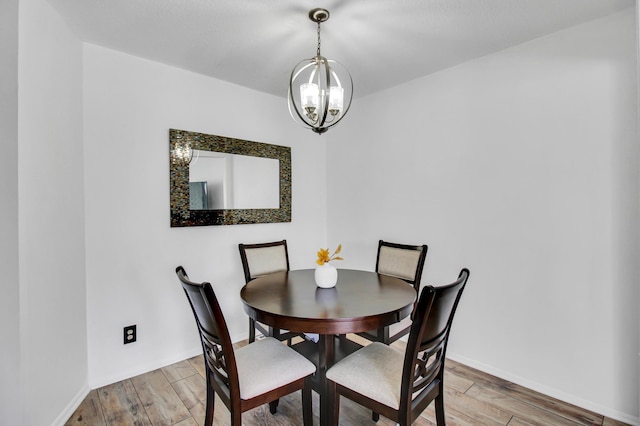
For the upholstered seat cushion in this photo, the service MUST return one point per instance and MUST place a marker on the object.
(374, 371)
(283, 365)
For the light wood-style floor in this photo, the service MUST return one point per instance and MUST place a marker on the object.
(175, 395)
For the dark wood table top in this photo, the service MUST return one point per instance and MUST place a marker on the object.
(360, 301)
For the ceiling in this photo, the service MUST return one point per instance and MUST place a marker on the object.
(383, 43)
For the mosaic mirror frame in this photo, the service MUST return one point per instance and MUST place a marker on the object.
(181, 142)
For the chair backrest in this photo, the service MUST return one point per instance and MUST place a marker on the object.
(219, 358)
(427, 344)
(264, 258)
(402, 261)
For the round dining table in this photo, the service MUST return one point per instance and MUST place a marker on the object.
(360, 301)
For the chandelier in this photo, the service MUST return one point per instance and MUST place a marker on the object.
(320, 89)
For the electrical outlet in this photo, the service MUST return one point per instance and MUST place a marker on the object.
(129, 334)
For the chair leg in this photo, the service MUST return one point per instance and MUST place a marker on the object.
(236, 419)
(440, 420)
(273, 406)
(375, 416)
(334, 397)
(405, 419)
(211, 399)
(252, 330)
(307, 408)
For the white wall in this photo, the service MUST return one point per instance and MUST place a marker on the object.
(53, 352)
(522, 166)
(129, 106)
(544, 211)
(9, 285)
(638, 104)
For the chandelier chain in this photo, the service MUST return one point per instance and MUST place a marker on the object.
(318, 50)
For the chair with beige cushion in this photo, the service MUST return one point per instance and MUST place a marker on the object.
(405, 262)
(233, 375)
(401, 385)
(258, 260)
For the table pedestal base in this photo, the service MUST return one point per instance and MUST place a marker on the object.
(329, 350)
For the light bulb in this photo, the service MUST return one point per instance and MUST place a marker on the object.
(336, 99)
(309, 95)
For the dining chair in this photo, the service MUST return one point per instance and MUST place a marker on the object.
(262, 259)
(401, 385)
(405, 262)
(234, 375)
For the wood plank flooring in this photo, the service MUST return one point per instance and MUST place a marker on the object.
(175, 395)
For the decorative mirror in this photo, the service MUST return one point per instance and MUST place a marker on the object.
(215, 180)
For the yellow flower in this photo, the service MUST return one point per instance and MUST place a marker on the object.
(323, 255)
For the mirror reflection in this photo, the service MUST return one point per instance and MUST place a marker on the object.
(231, 181)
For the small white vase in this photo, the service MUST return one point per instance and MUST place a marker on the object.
(326, 276)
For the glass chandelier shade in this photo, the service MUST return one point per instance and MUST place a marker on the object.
(320, 89)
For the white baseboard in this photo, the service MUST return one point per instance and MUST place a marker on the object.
(144, 368)
(242, 336)
(546, 390)
(155, 364)
(71, 407)
(123, 375)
